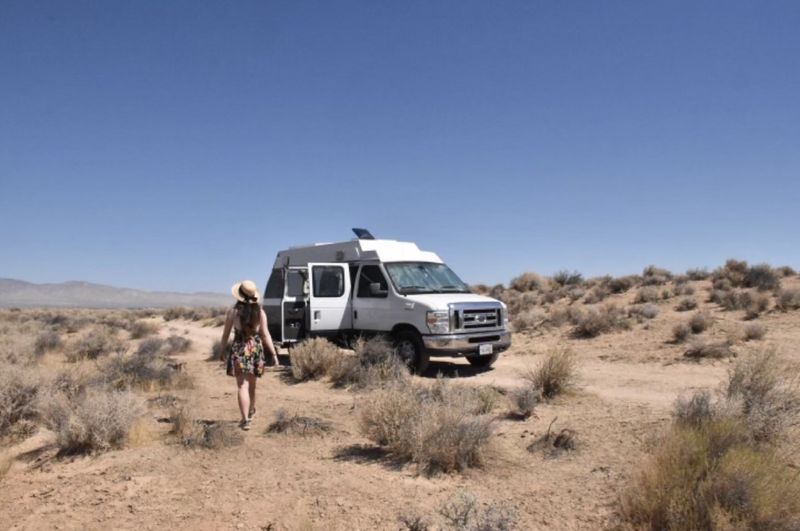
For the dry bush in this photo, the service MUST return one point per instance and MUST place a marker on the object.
(150, 347)
(641, 312)
(697, 274)
(176, 345)
(99, 342)
(144, 371)
(700, 322)
(464, 513)
(683, 289)
(788, 299)
(734, 272)
(595, 321)
(140, 329)
(596, 294)
(763, 277)
(680, 332)
(567, 278)
(92, 421)
(192, 432)
(525, 400)
(755, 304)
(216, 351)
(647, 294)
(298, 425)
(686, 304)
(787, 271)
(432, 427)
(530, 282)
(375, 363)
(711, 349)
(313, 359)
(655, 276)
(754, 331)
(694, 411)
(19, 387)
(46, 341)
(623, 284)
(170, 314)
(529, 320)
(556, 373)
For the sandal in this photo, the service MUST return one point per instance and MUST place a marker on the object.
(245, 425)
(251, 414)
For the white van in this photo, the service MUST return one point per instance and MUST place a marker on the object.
(367, 286)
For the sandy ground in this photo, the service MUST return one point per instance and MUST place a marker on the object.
(628, 383)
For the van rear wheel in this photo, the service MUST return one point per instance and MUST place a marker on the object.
(411, 350)
(483, 362)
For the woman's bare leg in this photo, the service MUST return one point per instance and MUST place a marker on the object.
(244, 395)
(251, 387)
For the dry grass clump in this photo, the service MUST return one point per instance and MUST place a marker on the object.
(99, 342)
(375, 363)
(432, 427)
(313, 359)
(596, 294)
(595, 321)
(19, 387)
(525, 400)
(463, 512)
(92, 421)
(176, 345)
(555, 374)
(710, 349)
(193, 432)
(529, 320)
(719, 466)
(700, 322)
(46, 341)
(530, 282)
(642, 312)
(144, 371)
(140, 329)
(686, 304)
(298, 425)
(647, 294)
(680, 332)
(788, 299)
(754, 332)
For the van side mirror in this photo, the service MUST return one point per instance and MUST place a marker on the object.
(376, 291)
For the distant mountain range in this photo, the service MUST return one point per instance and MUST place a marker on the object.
(18, 293)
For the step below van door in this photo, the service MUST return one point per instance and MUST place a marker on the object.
(329, 299)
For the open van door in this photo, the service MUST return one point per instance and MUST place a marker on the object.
(329, 299)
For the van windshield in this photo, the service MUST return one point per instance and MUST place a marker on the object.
(424, 277)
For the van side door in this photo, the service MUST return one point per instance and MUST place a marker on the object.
(330, 310)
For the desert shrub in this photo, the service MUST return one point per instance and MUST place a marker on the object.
(680, 332)
(788, 299)
(216, 351)
(298, 425)
(170, 314)
(99, 342)
(622, 284)
(375, 363)
(92, 421)
(655, 276)
(19, 387)
(711, 349)
(530, 282)
(786, 271)
(694, 411)
(435, 428)
(140, 329)
(556, 373)
(46, 341)
(464, 513)
(734, 272)
(754, 331)
(567, 278)
(697, 274)
(176, 345)
(596, 294)
(193, 432)
(686, 304)
(643, 311)
(573, 293)
(525, 400)
(755, 304)
(529, 320)
(683, 290)
(699, 322)
(647, 294)
(762, 277)
(313, 359)
(150, 347)
(595, 321)
(143, 371)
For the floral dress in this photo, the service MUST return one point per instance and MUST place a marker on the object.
(247, 355)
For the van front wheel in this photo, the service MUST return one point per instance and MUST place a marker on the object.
(411, 350)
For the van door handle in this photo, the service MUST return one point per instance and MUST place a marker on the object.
(317, 315)
(355, 314)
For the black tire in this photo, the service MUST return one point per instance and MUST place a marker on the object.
(411, 350)
(483, 362)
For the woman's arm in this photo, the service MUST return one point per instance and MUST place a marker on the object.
(226, 332)
(266, 338)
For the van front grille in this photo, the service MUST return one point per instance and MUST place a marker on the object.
(477, 319)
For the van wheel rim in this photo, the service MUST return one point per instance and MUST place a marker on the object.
(406, 350)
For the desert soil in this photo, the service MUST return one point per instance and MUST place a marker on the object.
(628, 383)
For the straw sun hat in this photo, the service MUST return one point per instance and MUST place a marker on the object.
(246, 291)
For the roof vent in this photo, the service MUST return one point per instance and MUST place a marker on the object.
(363, 234)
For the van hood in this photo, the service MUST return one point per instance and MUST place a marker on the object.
(439, 301)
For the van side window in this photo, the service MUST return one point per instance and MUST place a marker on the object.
(274, 285)
(328, 281)
(371, 274)
(294, 283)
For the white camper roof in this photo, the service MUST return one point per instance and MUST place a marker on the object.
(354, 251)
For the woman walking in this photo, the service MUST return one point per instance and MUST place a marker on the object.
(250, 337)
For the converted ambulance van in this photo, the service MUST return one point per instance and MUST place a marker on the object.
(368, 286)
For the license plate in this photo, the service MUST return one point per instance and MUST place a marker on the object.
(484, 350)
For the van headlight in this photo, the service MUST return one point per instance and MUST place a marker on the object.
(438, 321)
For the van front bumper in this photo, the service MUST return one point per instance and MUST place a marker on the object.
(466, 344)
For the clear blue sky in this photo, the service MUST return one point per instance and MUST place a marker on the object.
(179, 145)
